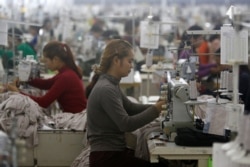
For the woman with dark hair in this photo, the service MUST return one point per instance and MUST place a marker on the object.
(66, 86)
(194, 41)
(111, 113)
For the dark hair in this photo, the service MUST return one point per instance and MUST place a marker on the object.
(193, 28)
(17, 33)
(63, 52)
(36, 28)
(116, 47)
(215, 36)
(186, 38)
(128, 26)
(96, 28)
(217, 53)
(110, 34)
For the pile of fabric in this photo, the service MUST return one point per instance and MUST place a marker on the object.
(20, 117)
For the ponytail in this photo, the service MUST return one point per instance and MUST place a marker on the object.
(62, 51)
(71, 63)
(115, 47)
(92, 84)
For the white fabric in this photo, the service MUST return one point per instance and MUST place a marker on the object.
(201, 110)
(217, 117)
(70, 121)
(20, 114)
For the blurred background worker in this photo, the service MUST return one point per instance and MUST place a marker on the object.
(21, 48)
(70, 95)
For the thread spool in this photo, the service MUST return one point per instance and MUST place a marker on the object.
(193, 93)
(164, 86)
(163, 97)
(222, 80)
(226, 79)
(230, 81)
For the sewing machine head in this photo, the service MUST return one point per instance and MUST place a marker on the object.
(178, 114)
(187, 68)
(27, 69)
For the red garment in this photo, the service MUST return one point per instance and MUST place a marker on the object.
(201, 50)
(65, 87)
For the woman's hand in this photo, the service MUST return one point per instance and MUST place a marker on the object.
(16, 82)
(159, 105)
(13, 86)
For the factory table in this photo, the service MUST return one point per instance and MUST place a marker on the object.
(170, 151)
(56, 148)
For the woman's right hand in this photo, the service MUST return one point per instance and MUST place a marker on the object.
(16, 82)
(159, 104)
(13, 86)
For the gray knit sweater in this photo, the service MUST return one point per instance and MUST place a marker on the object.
(110, 114)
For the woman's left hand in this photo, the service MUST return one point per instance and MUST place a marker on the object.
(12, 87)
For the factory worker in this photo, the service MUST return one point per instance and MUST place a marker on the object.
(111, 113)
(22, 48)
(194, 41)
(66, 87)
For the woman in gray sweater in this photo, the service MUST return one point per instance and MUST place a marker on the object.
(111, 113)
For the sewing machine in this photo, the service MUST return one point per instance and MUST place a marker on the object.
(178, 113)
(27, 69)
(187, 68)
